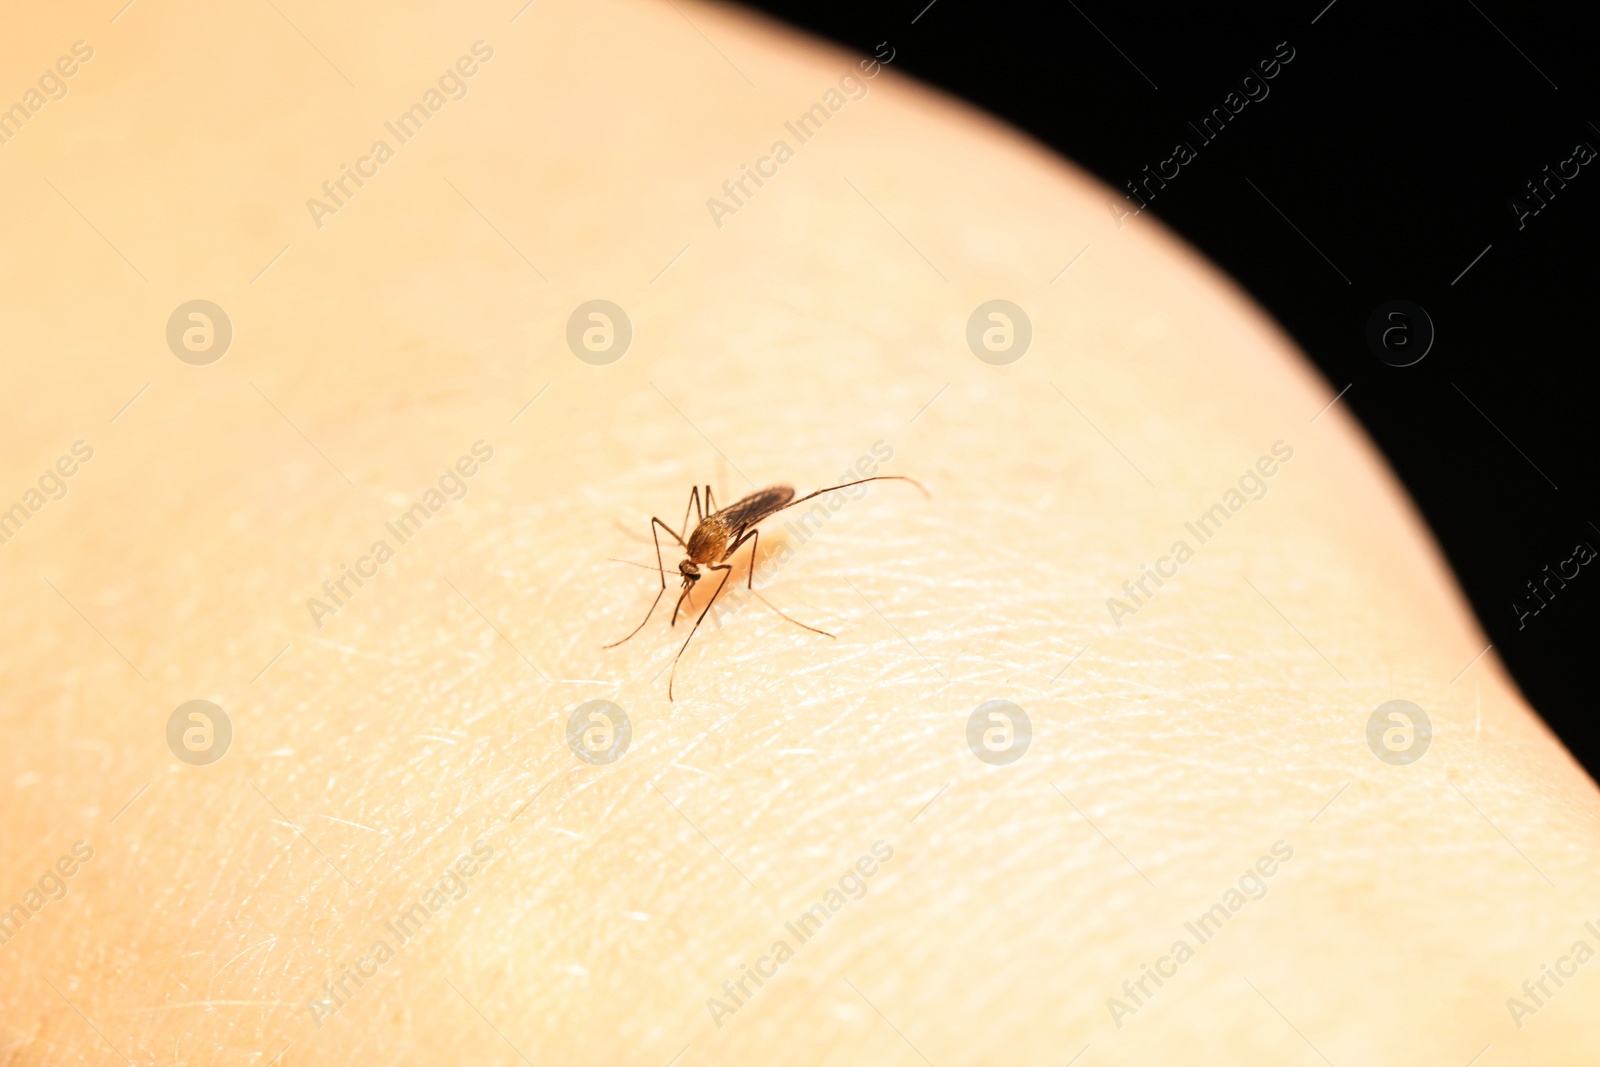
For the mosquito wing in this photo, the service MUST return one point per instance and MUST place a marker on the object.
(746, 512)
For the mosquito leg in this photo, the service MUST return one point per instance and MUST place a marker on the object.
(754, 536)
(661, 569)
(711, 507)
(727, 572)
(693, 505)
(749, 535)
(654, 522)
(862, 481)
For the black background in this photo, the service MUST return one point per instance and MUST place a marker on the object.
(1395, 141)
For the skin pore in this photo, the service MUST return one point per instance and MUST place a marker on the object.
(399, 770)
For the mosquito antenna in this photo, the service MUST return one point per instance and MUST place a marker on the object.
(629, 562)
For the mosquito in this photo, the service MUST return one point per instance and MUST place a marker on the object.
(717, 535)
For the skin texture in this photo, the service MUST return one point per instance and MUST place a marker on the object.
(826, 316)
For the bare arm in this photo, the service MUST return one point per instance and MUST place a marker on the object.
(1197, 767)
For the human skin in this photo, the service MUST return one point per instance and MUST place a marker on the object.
(1171, 748)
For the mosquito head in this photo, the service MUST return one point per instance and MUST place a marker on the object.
(690, 572)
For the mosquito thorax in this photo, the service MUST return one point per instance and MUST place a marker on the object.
(709, 541)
